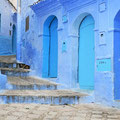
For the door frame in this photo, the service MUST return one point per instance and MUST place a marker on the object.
(79, 51)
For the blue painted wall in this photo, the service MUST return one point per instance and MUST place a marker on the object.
(3, 82)
(5, 45)
(29, 44)
(8, 19)
(70, 14)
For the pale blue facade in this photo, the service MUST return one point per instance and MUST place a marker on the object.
(95, 47)
(8, 19)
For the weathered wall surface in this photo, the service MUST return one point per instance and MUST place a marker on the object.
(30, 44)
(70, 14)
(8, 18)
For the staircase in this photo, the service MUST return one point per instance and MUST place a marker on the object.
(22, 88)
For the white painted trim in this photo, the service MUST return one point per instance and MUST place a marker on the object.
(74, 36)
(114, 30)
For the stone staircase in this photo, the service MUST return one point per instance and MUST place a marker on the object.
(30, 83)
(21, 88)
(10, 67)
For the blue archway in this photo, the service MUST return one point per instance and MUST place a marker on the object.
(86, 53)
(50, 47)
(117, 56)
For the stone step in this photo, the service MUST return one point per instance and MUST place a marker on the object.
(41, 96)
(33, 87)
(30, 83)
(15, 71)
(8, 59)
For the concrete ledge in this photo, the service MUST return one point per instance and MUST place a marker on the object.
(41, 96)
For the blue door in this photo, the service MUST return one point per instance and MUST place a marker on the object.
(50, 48)
(86, 54)
(53, 49)
(116, 62)
(14, 40)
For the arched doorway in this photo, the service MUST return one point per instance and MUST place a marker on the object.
(50, 48)
(86, 53)
(14, 35)
(117, 57)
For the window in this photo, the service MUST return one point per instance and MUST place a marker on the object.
(27, 24)
(0, 22)
(10, 24)
(10, 32)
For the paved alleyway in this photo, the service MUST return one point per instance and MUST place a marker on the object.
(51, 112)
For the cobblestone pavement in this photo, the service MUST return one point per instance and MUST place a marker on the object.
(53, 112)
